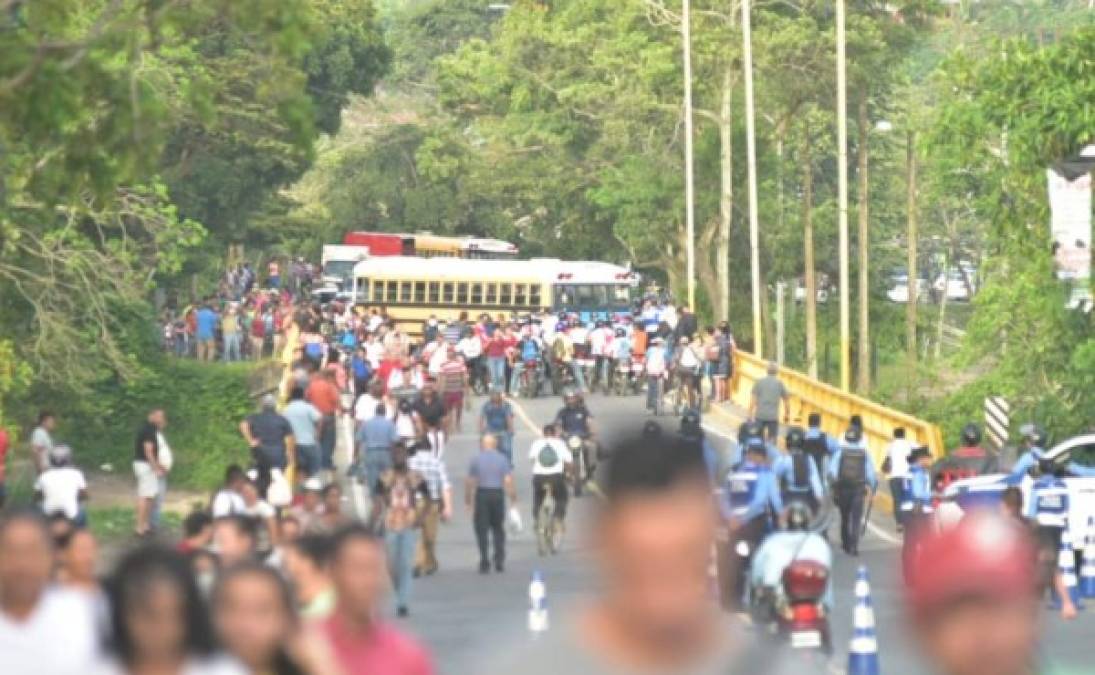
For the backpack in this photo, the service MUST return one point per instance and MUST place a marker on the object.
(818, 448)
(548, 457)
(800, 470)
(687, 359)
(853, 467)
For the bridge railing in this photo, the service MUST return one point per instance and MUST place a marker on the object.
(837, 407)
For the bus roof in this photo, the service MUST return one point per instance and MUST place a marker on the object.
(544, 270)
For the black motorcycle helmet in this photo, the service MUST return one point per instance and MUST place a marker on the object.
(795, 438)
(690, 424)
(853, 435)
(971, 435)
(798, 517)
(748, 430)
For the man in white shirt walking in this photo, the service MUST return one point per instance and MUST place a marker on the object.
(896, 467)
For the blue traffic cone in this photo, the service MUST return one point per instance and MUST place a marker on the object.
(1066, 565)
(863, 651)
(1087, 571)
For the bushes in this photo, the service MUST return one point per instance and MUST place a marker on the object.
(204, 404)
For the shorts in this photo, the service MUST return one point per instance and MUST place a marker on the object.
(148, 483)
(452, 400)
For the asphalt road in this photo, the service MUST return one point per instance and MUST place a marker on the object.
(464, 617)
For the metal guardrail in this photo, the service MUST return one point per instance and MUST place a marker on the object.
(836, 408)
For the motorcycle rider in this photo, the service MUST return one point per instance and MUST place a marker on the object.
(574, 419)
(916, 505)
(853, 477)
(750, 498)
(780, 549)
(749, 430)
(797, 473)
(692, 432)
(968, 460)
(621, 354)
(529, 348)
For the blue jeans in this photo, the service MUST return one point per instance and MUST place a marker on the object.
(327, 442)
(308, 459)
(401, 545)
(181, 345)
(231, 347)
(579, 376)
(653, 392)
(497, 366)
(157, 504)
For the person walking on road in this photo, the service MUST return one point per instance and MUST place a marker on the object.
(764, 404)
(270, 437)
(400, 497)
(323, 394)
(41, 440)
(854, 481)
(304, 419)
(896, 467)
(374, 444)
(151, 461)
(496, 419)
(489, 482)
(362, 643)
(427, 464)
(656, 369)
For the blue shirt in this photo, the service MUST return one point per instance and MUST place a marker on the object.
(834, 466)
(378, 432)
(622, 347)
(917, 490)
(750, 491)
(784, 468)
(1030, 459)
(830, 442)
(207, 323)
(737, 454)
(497, 416)
(530, 351)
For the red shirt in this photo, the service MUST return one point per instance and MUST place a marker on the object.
(5, 443)
(382, 650)
(496, 348)
(323, 395)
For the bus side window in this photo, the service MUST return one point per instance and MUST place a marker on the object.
(448, 296)
(462, 293)
(534, 295)
(435, 292)
(506, 295)
(477, 294)
(585, 296)
(405, 291)
(520, 295)
(420, 291)
(393, 291)
(492, 294)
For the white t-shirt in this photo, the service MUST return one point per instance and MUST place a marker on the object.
(60, 488)
(898, 451)
(597, 340)
(471, 347)
(404, 426)
(365, 408)
(374, 353)
(227, 503)
(437, 359)
(561, 451)
(164, 456)
(58, 638)
(260, 509)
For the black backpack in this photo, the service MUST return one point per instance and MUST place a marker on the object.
(818, 448)
(853, 467)
(800, 470)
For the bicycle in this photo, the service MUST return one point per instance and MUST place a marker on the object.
(549, 526)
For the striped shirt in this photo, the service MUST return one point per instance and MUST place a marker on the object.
(432, 470)
(451, 376)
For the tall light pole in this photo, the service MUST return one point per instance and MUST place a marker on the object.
(751, 159)
(842, 173)
(689, 197)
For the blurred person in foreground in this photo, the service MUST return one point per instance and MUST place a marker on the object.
(254, 615)
(654, 612)
(362, 643)
(36, 617)
(973, 600)
(159, 621)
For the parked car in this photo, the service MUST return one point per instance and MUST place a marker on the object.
(954, 285)
(899, 290)
(823, 289)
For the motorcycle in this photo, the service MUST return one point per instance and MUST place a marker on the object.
(583, 461)
(561, 376)
(803, 622)
(622, 378)
(530, 379)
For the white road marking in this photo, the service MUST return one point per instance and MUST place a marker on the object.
(883, 534)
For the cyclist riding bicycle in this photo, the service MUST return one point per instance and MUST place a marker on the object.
(551, 462)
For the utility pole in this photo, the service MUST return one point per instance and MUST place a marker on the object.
(914, 276)
(863, 200)
(689, 197)
(781, 319)
(751, 159)
(842, 169)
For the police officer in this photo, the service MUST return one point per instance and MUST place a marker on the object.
(916, 505)
(746, 432)
(750, 499)
(691, 432)
(1034, 440)
(797, 473)
(853, 477)
(820, 445)
(1048, 509)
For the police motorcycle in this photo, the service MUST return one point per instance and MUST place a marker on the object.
(1076, 455)
(791, 586)
(573, 423)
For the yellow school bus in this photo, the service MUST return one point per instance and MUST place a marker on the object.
(412, 290)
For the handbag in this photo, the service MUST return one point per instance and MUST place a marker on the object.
(279, 494)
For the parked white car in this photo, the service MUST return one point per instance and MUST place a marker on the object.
(899, 292)
(954, 285)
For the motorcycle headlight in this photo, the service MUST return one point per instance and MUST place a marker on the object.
(742, 549)
(574, 443)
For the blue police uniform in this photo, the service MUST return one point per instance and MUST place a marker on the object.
(750, 496)
(750, 490)
(1029, 459)
(811, 491)
(916, 508)
(849, 496)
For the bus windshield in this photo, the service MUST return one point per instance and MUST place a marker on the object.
(341, 269)
(592, 297)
